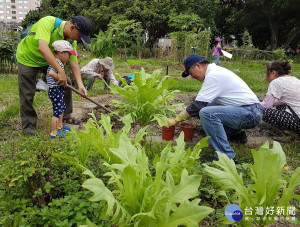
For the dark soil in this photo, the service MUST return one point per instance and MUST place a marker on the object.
(256, 136)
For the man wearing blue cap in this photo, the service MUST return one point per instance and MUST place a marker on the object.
(225, 104)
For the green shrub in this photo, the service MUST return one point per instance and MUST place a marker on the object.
(8, 60)
(36, 190)
(146, 99)
(279, 54)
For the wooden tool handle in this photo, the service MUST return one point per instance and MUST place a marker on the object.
(91, 100)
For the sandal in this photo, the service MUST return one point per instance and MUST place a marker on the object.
(73, 121)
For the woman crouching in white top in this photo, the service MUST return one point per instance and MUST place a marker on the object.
(284, 94)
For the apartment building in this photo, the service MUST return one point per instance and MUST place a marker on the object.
(14, 11)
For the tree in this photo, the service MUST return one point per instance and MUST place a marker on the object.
(31, 17)
(126, 32)
(104, 44)
(271, 23)
(186, 22)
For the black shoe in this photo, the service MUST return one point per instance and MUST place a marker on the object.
(239, 138)
(211, 159)
(208, 159)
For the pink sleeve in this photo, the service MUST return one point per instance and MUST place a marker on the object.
(271, 101)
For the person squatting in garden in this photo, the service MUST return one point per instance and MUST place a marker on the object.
(284, 94)
(98, 68)
(63, 50)
(34, 54)
(217, 51)
(225, 105)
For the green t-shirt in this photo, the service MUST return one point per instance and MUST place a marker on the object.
(28, 49)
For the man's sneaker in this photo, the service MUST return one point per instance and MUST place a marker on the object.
(239, 138)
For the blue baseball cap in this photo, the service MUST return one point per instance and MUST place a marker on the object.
(189, 61)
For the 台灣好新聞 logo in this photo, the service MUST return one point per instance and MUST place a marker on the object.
(233, 212)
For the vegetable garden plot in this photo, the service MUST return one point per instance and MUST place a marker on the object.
(256, 136)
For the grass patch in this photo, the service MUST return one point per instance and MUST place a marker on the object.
(185, 85)
(8, 113)
(8, 89)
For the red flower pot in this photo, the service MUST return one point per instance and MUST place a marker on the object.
(168, 133)
(188, 130)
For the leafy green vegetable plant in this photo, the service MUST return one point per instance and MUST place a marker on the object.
(140, 195)
(270, 190)
(97, 138)
(147, 98)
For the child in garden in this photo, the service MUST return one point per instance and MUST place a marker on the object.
(63, 50)
(217, 51)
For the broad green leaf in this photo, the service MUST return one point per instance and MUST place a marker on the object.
(289, 191)
(127, 120)
(132, 187)
(187, 214)
(186, 189)
(70, 159)
(101, 193)
(126, 152)
(228, 177)
(89, 173)
(90, 224)
(140, 136)
(161, 119)
(267, 168)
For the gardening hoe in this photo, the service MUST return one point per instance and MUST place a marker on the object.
(91, 100)
(105, 82)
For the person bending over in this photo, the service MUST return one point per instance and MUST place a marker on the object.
(225, 105)
(35, 54)
(99, 68)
